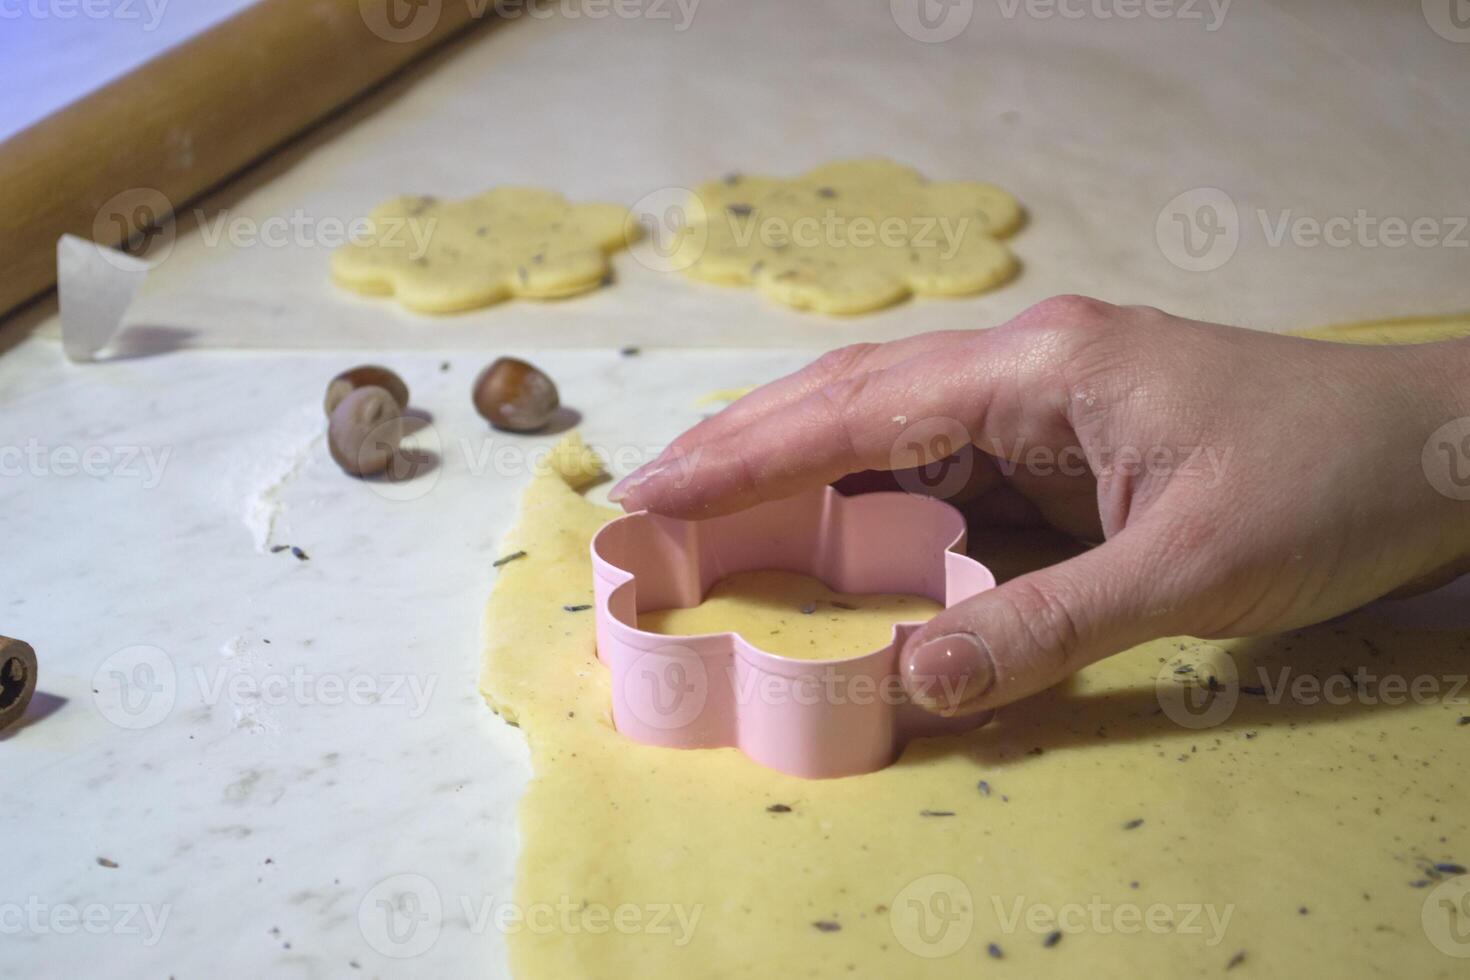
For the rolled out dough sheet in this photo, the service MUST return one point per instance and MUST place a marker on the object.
(1084, 831)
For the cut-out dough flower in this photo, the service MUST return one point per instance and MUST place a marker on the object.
(850, 236)
(446, 256)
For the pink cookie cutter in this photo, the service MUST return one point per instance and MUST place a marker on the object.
(807, 718)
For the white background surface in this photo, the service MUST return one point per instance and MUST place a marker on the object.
(242, 816)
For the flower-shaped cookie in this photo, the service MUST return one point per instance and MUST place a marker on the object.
(446, 256)
(851, 236)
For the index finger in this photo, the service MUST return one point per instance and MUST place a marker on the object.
(986, 384)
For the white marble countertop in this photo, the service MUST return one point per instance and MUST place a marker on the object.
(258, 741)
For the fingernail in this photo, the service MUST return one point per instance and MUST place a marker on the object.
(948, 671)
(634, 480)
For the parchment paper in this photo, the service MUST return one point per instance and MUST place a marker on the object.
(1326, 110)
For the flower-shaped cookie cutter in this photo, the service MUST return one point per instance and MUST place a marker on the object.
(811, 718)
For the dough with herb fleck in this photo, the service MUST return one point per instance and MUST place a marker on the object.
(446, 256)
(851, 236)
(1291, 839)
(799, 616)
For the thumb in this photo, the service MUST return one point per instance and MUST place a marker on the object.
(1033, 631)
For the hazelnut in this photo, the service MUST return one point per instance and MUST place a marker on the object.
(361, 376)
(17, 679)
(515, 396)
(364, 431)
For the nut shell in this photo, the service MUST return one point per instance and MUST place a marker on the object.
(364, 431)
(515, 396)
(17, 679)
(360, 377)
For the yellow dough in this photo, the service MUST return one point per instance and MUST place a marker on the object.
(793, 615)
(446, 256)
(851, 236)
(1406, 330)
(1292, 839)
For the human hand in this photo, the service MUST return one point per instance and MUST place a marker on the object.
(1240, 482)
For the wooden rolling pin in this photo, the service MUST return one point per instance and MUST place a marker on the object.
(186, 120)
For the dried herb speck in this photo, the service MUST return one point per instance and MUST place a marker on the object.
(936, 813)
(995, 952)
(739, 210)
(1259, 692)
(107, 862)
(276, 549)
(824, 925)
(983, 787)
(507, 559)
(778, 808)
(843, 605)
(582, 608)
(1052, 938)
(1464, 720)
(1236, 960)
(1446, 867)
(1133, 824)
(809, 608)
(630, 351)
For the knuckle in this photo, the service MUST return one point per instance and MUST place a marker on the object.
(1046, 624)
(1065, 326)
(1070, 310)
(844, 361)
